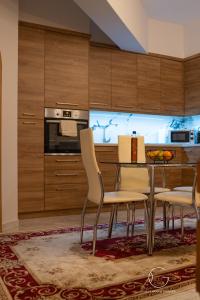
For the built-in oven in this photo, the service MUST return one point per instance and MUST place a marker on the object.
(62, 130)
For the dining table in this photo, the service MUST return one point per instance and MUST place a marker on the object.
(152, 167)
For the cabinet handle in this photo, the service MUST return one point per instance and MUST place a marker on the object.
(67, 103)
(67, 174)
(99, 103)
(126, 106)
(65, 160)
(28, 114)
(33, 123)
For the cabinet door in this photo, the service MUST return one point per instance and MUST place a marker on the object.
(100, 77)
(172, 93)
(31, 73)
(192, 86)
(124, 81)
(30, 136)
(66, 70)
(65, 182)
(148, 83)
(31, 182)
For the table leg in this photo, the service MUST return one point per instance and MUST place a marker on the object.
(152, 208)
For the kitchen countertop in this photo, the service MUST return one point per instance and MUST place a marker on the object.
(182, 145)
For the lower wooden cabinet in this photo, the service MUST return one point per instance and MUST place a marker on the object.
(65, 182)
(31, 182)
(65, 196)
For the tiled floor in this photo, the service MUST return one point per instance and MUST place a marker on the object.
(36, 224)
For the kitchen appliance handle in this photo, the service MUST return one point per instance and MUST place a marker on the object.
(59, 120)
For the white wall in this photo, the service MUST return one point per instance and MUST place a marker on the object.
(133, 15)
(192, 40)
(9, 51)
(165, 38)
(57, 13)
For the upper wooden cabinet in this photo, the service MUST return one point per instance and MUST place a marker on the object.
(100, 77)
(66, 70)
(148, 83)
(172, 90)
(192, 86)
(31, 73)
(124, 80)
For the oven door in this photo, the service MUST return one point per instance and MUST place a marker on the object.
(56, 143)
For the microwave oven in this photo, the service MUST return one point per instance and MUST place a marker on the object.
(182, 136)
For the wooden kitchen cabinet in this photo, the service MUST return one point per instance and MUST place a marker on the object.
(65, 182)
(172, 91)
(100, 77)
(31, 73)
(31, 165)
(124, 81)
(66, 70)
(30, 136)
(148, 82)
(31, 182)
(192, 86)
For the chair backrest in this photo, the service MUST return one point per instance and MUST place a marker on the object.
(95, 191)
(132, 178)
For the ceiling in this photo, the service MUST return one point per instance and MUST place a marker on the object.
(176, 11)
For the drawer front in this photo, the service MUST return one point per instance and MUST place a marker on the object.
(63, 163)
(65, 176)
(66, 196)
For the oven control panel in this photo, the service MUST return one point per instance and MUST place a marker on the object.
(59, 113)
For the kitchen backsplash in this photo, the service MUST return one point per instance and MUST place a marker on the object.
(155, 128)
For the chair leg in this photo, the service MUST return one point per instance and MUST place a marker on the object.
(164, 215)
(116, 214)
(133, 219)
(95, 229)
(146, 221)
(83, 219)
(167, 216)
(128, 218)
(173, 218)
(112, 214)
(182, 223)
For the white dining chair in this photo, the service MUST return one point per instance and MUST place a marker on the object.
(96, 192)
(182, 198)
(135, 179)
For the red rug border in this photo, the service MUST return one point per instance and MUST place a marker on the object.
(20, 283)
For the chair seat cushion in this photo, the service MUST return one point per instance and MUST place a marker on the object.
(147, 190)
(183, 188)
(123, 196)
(175, 197)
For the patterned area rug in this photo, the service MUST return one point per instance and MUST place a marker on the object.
(52, 264)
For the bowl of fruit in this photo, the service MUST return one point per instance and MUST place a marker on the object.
(162, 156)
